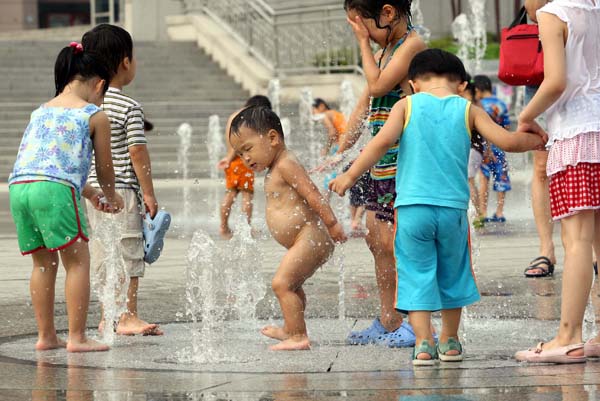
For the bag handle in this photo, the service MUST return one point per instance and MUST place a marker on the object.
(521, 18)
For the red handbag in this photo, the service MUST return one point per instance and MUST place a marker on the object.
(521, 56)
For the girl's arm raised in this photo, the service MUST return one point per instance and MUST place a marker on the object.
(381, 82)
(510, 142)
(374, 150)
(296, 177)
(553, 33)
(100, 130)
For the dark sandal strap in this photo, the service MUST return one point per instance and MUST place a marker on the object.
(541, 263)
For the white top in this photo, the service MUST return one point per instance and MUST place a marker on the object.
(577, 111)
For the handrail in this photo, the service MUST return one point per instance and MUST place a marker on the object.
(318, 40)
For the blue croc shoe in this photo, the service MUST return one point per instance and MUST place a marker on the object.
(154, 234)
(366, 336)
(403, 336)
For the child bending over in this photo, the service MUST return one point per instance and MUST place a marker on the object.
(297, 215)
(432, 232)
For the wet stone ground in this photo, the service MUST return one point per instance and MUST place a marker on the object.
(514, 313)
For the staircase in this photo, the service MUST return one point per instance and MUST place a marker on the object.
(175, 82)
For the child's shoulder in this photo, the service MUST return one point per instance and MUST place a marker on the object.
(123, 99)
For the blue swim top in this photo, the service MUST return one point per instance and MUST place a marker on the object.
(433, 154)
(56, 146)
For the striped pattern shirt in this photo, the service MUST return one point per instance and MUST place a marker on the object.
(127, 129)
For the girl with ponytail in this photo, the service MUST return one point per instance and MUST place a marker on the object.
(46, 184)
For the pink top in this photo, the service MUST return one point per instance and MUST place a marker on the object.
(577, 111)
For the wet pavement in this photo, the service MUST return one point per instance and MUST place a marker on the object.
(514, 313)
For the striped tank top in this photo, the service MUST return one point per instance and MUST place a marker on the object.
(379, 111)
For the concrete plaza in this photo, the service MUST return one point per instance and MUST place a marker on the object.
(514, 313)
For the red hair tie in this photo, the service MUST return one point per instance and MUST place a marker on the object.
(77, 46)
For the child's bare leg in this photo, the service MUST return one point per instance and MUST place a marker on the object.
(450, 325)
(577, 235)
(421, 323)
(226, 205)
(357, 216)
(475, 196)
(278, 333)
(41, 286)
(76, 259)
(597, 249)
(501, 196)
(130, 323)
(298, 264)
(483, 195)
(380, 239)
(247, 197)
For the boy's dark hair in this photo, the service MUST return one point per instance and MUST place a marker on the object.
(437, 62)
(111, 42)
(371, 9)
(73, 63)
(259, 100)
(258, 118)
(318, 101)
(470, 87)
(483, 83)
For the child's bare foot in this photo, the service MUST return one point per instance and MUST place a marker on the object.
(48, 344)
(131, 326)
(225, 233)
(296, 343)
(87, 345)
(274, 332)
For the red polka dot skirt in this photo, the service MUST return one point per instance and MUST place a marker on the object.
(574, 189)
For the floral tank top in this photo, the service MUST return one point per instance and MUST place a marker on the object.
(56, 146)
(379, 111)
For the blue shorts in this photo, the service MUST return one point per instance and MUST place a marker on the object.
(499, 170)
(433, 259)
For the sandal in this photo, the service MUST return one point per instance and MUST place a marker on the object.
(540, 263)
(154, 234)
(424, 348)
(366, 336)
(556, 355)
(497, 219)
(452, 345)
(596, 268)
(402, 337)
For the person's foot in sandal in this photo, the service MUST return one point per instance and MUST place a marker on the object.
(540, 267)
(553, 353)
(425, 354)
(451, 351)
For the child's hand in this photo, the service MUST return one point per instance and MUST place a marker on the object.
(223, 164)
(359, 28)
(533, 127)
(151, 204)
(341, 184)
(327, 165)
(337, 233)
(115, 206)
(96, 201)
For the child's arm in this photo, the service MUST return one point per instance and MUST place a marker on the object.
(225, 161)
(101, 136)
(493, 133)
(552, 35)
(297, 178)
(375, 149)
(332, 134)
(380, 82)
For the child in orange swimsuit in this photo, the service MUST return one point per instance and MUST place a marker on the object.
(238, 177)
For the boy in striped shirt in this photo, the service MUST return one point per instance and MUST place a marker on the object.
(133, 177)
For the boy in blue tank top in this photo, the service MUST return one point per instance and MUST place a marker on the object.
(433, 258)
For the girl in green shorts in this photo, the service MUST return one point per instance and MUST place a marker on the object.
(46, 184)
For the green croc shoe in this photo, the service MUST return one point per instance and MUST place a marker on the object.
(452, 345)
(424, 348)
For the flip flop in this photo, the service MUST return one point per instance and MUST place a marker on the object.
(497, 219)
(540, 263)
(556, 355)
(154, 234)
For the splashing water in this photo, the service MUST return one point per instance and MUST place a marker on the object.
(184, 132)
(221, 282)
(307, 129)
(274, 92)
(470, 32)
(215, 144)
(110, 281)
(347, 98)
(419, 21)
(286, 126)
